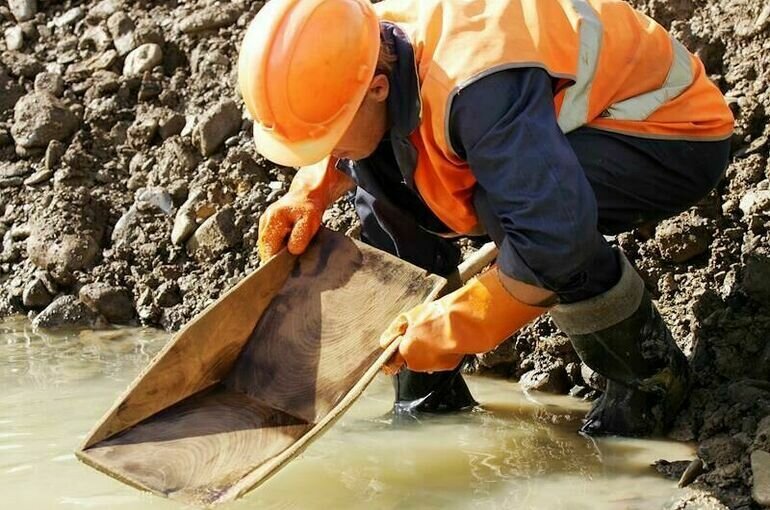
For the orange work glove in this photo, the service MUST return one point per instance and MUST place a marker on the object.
(475, 318)
(297, 215)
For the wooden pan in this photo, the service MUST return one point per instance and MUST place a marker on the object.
(261, 373)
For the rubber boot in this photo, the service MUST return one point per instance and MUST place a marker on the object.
(437, 392)
(621, 335)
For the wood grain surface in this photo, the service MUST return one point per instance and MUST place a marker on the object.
(226, 405)
(201, 354)
(322, 330)
(195, 450)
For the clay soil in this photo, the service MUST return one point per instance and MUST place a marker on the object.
(130, 192)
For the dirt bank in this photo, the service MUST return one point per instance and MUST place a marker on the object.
(130, 192)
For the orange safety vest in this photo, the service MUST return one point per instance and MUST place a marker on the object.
(620, 71)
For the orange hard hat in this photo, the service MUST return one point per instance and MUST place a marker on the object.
(303, 70)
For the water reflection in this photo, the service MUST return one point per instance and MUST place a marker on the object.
(518, 451)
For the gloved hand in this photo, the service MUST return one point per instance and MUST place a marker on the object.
(297, 215)
(475, 318)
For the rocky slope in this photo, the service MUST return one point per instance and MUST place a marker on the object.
(130, 192)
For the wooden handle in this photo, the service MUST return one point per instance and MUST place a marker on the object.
(478, 261)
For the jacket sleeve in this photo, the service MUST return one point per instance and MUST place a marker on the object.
(529, 179)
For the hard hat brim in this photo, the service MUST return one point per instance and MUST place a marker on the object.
(305, 152)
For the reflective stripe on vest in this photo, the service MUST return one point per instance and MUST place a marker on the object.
(574, 109)
(680, 77)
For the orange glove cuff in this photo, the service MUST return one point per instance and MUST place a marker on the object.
(473, 319)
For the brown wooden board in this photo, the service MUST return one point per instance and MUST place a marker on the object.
(214, 434)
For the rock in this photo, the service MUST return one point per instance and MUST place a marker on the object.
(185, 222)
(39, 118)
(171, 124)
(682, 238)
(26, 66)
(66, 235)
(210, 18)
(23, 10)
(215, 236)
(114, 303)
(69, 17)
(52, 83)
(38, 177)
(152, 200)
(36, 294)
(65, 311)
(216, 125)
(177, 160)
(14, 38)
(142, 131)
(95, 39)
(720, 450)
(122, 30)
(167, 295)
(756, 276)
(760, 472)
(10, 91)
(755, 202)
(144, 58)
(53, 154)
(122, 229)
(553, 379)
(103, 10)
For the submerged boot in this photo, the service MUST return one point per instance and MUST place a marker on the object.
(621, 335)
(437, 392)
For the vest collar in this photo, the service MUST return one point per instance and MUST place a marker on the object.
(404, 103)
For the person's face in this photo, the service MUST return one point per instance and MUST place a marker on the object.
(369, 124)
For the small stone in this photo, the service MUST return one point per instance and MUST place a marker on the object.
(38, 177)
(153, 200)
(122, 30)
(171, 124)
(682, 238)
(115, 303)
(756, 276)
(216, 125)
(551, 380)
(65, 311)
(215, 236)
(40, 118)
(95, 39)
(52, 83)
(14, 38)
(35, 294)
(760, 471)
(210, 18)
(69, 17)
(755, 202)
(185, 222)
(26, 66)
(144, 58)
(103, 10)
(23, 10)
(10, 91)
(167, 295)
(720, 450)
(142, 131)
(53, 154)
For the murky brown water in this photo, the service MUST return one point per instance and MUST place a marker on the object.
(516, 452)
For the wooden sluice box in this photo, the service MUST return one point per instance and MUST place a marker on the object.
(257, 376)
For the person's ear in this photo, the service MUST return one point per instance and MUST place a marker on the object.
(379, 88)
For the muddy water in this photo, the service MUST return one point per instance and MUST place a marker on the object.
(516, 452)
